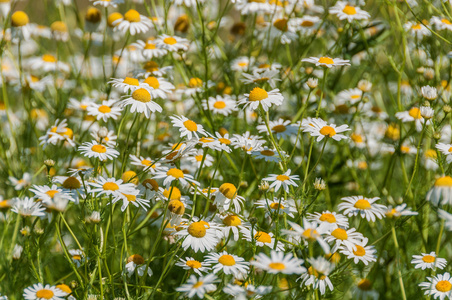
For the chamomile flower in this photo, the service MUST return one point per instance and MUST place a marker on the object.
(260, 97)
(187, 127)
(261, 77)
(104, 111)
(176, 209)
(251, 7)
(365, 207)
(232, 222)
(246, 291)
(137, 263)
(198, 286)
(77, 257)
(261, 238)
(149, 49)
(27, 207)
(277, 206)
(279, 263)
(441, 192)
(46, 194)
(447, 217)
(223, 105)
(320, 129)
(157, 86)
(127, 84)
(428, 261)
(172, 43)
(133, 22)
(224, 141)
(285, 180)
(227, 263)
(20, 184)
(227, 196)
(20, 26)
(268, 154)
(413, 115)
(94, 149)
(241, 63)
(416, 29)
(441, 23)
(147, 163)
(199, 158)
(345, 11)
(141, 102)
(280, 129)
(399, 211)
(440, 286)
(39, 292)
(110, 187)
(351, 96)
(317, 274)
(172, 174)
(445, 149)
(326, 61)
(189, 263)
(328, 220)
(57, 133)
(107, 3)
(199, 236)
(133, 197)
(360, 252)
(310, 232)
(342, 237)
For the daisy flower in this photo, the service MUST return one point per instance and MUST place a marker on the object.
(247, 142)
(146, 163)
(261, 77)
(27, 207)
(127, 84)
(225, 141)
(279, 263)
(104, 111)
(137, 262)
(107, 3)
(281, 129)
(77, 257)
(110, 187)
(187, 127)
(277, 206)
(48, 63)
(251, 7)
(20, 184)
(285, 180)
(172, 174)
(189, 263)
(149, 49)
(46, 194)
(413, 115)
(172, 43)
(223, 105)
(141, 102)
(199, 236)
(447, 217)
(133, 22)
(94, 149)
(176, 209)
(20, 25)
(417, 29)
(440, 286)
(310, 232)
(268, 154)
(441, 23)
(228, 263)
(241, 63)
(198, 286)
(57, 133)
(317, 274)
(360, 252)
(246, 291)
(428, 261)
(197, 159)
(262, 239)
(38, 292)
(320, 129)
(232, 222)
(306, 25)
(328, 220)
(157, 86)
(445, 149)
(365, 207)
(441, 192)
(351, 96)
(133, 197)
(259, 96)
(327, 61)
(342, 237)
(227, 195)
(399, 211)
(344, 11)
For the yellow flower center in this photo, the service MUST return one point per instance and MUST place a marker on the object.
(232, 220)
(267, 153)
(243, 64)
(224, 141)
(330, 218)
(340, 234)
(307, 23)
(64, 288)
(279, 128)
(132, 16)
(51, 193)
(170, 41)
(430, 153)
(198, 284)
(443, 286)
(153, 82)
(450, 149)
(176, 207)
(281, 24)
(444, 181)
(326, 60)
(130, 198)
(310, 234)
(362, 204)
(190, 125)
(49, 58)
(99, 148)
(112, 18)
(152, 182)
(104, 109)
(257, 94)
(226, 260)
(131, 81)
(219, 104)
(276, 205)
(207, 140)
(360, 251)
(416, 26)
(357, 138)
(364, 284)
(175, 193)
(415, 113)
(282, 177)
(327, 131)
(58, 26)
(228, 190)
(44, 293)
(19, 19)
(263, 237)
(445, 21)
(93, 15)
(197, 229)
(176, 173)
(349, 10)
(141, 95)
(428, 259)
(199, 157)
(277, 266)
(71, 183)
(194, 264)
(77, 257)
(195, 82)
(136, 258)
(110, 186)
(149, 46)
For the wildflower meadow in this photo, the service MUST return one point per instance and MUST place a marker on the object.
(225, 149)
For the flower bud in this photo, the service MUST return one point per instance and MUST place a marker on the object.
(312, 83)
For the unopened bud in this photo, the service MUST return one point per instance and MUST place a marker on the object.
(447, 109)
(264, 186)
(49, 163)
(312, 83)
(427, 112)
(102, 132)
(319, 184)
